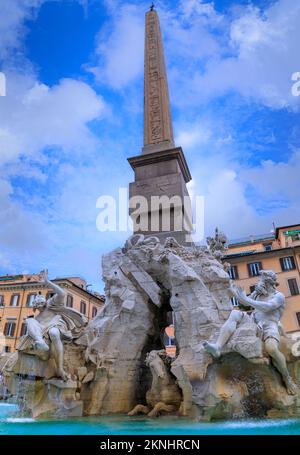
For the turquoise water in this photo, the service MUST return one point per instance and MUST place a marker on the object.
(11, 424)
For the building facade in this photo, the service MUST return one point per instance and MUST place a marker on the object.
(17, 293)
(278, 251)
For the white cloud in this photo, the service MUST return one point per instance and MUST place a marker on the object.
(190, 136)
(262, 53)
(277, 180)
(225, 185)
(20, 231)
(120, 48)
(226, 205)
(34, 116)
(198, 8)
(253, 52)
(13, 14)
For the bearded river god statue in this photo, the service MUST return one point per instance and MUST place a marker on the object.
(268, 305)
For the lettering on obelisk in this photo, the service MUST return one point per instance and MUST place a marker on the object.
(158, 127)
(154, 98)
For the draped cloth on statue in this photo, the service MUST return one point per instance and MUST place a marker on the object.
(67, 320)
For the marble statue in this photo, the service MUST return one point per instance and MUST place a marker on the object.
(164, 395)
(54, 324)
(217, 244)
(268, 305)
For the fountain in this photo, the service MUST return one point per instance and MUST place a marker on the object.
(210, 363)
(118, 364)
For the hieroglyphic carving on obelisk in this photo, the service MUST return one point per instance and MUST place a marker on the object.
(158, 131)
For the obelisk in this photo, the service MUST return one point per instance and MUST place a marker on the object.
(161, 171)
(158, 129)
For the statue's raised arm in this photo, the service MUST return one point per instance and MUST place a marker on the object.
(275, 302)
(59, 297)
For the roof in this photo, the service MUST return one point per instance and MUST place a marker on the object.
(92, 294)
(251, 239)
(285, 227)
(275, 251)
(30, 283)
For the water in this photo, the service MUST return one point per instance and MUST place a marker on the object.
(12, 424)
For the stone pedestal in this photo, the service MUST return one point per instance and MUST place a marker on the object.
(163, 175)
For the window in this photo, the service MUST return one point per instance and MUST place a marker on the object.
(30, 299)
(9, 329)
(23, 329)
(293, 286)
(69, 301)
(298, 318)
(254, 268)
(14, 301)
(234, 301)
(1, 300)
(6, 348)
(252, 288)
(268, 247)
(94, 312)
(295, 236)
(49, 295)
(82, 307)
(233, 272)
(287, 263)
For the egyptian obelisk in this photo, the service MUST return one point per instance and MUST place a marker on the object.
(161, 170)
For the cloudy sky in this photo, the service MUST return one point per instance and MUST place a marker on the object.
(73, 114)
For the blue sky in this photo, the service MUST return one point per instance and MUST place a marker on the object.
(73, 114)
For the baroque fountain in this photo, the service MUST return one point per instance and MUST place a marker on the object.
(228, 364)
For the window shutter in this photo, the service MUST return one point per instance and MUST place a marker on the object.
(293, 262)
(236, 272)
(293, 285)
(249, 270)
(23, 329)
(281, 264)
(5, 329)
(13, 329)
(255, 265)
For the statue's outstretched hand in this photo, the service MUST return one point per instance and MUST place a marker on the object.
(43, 276)
(237, 292)
(233, 291)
